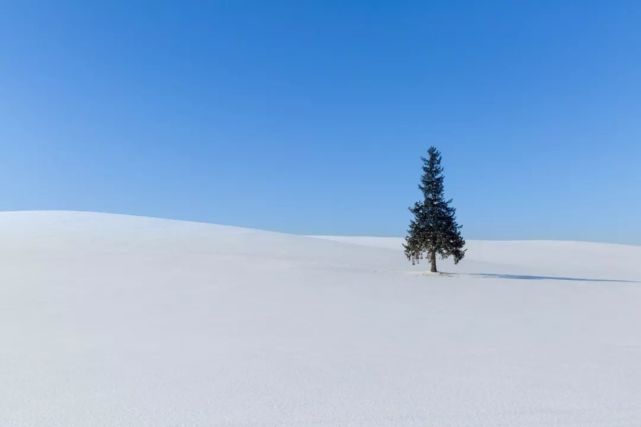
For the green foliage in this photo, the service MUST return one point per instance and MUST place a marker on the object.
(433, 230)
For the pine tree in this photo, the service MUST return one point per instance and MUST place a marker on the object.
(433, 230)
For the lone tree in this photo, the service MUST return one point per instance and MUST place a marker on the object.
(434, 229)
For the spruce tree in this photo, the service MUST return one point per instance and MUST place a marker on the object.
(433, 230)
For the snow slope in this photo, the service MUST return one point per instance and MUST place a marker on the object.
(109, 320)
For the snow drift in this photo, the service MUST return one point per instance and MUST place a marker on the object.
(109, 320)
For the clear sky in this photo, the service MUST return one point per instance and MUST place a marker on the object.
(310, 117)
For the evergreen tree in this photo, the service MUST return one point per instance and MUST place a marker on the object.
(433, 230)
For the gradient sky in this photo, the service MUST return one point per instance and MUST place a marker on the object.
(311, 117)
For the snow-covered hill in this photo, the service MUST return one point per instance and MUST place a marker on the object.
(110, 320)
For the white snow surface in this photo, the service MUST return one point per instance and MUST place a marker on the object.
(111, 320)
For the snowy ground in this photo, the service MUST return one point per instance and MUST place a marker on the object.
(112, 320)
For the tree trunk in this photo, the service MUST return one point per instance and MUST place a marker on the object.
(433, 261)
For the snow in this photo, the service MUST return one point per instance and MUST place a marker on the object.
(110, 320)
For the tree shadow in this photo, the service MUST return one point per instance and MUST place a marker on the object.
(533, 277)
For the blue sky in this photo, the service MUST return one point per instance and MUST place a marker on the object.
(310, 117)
